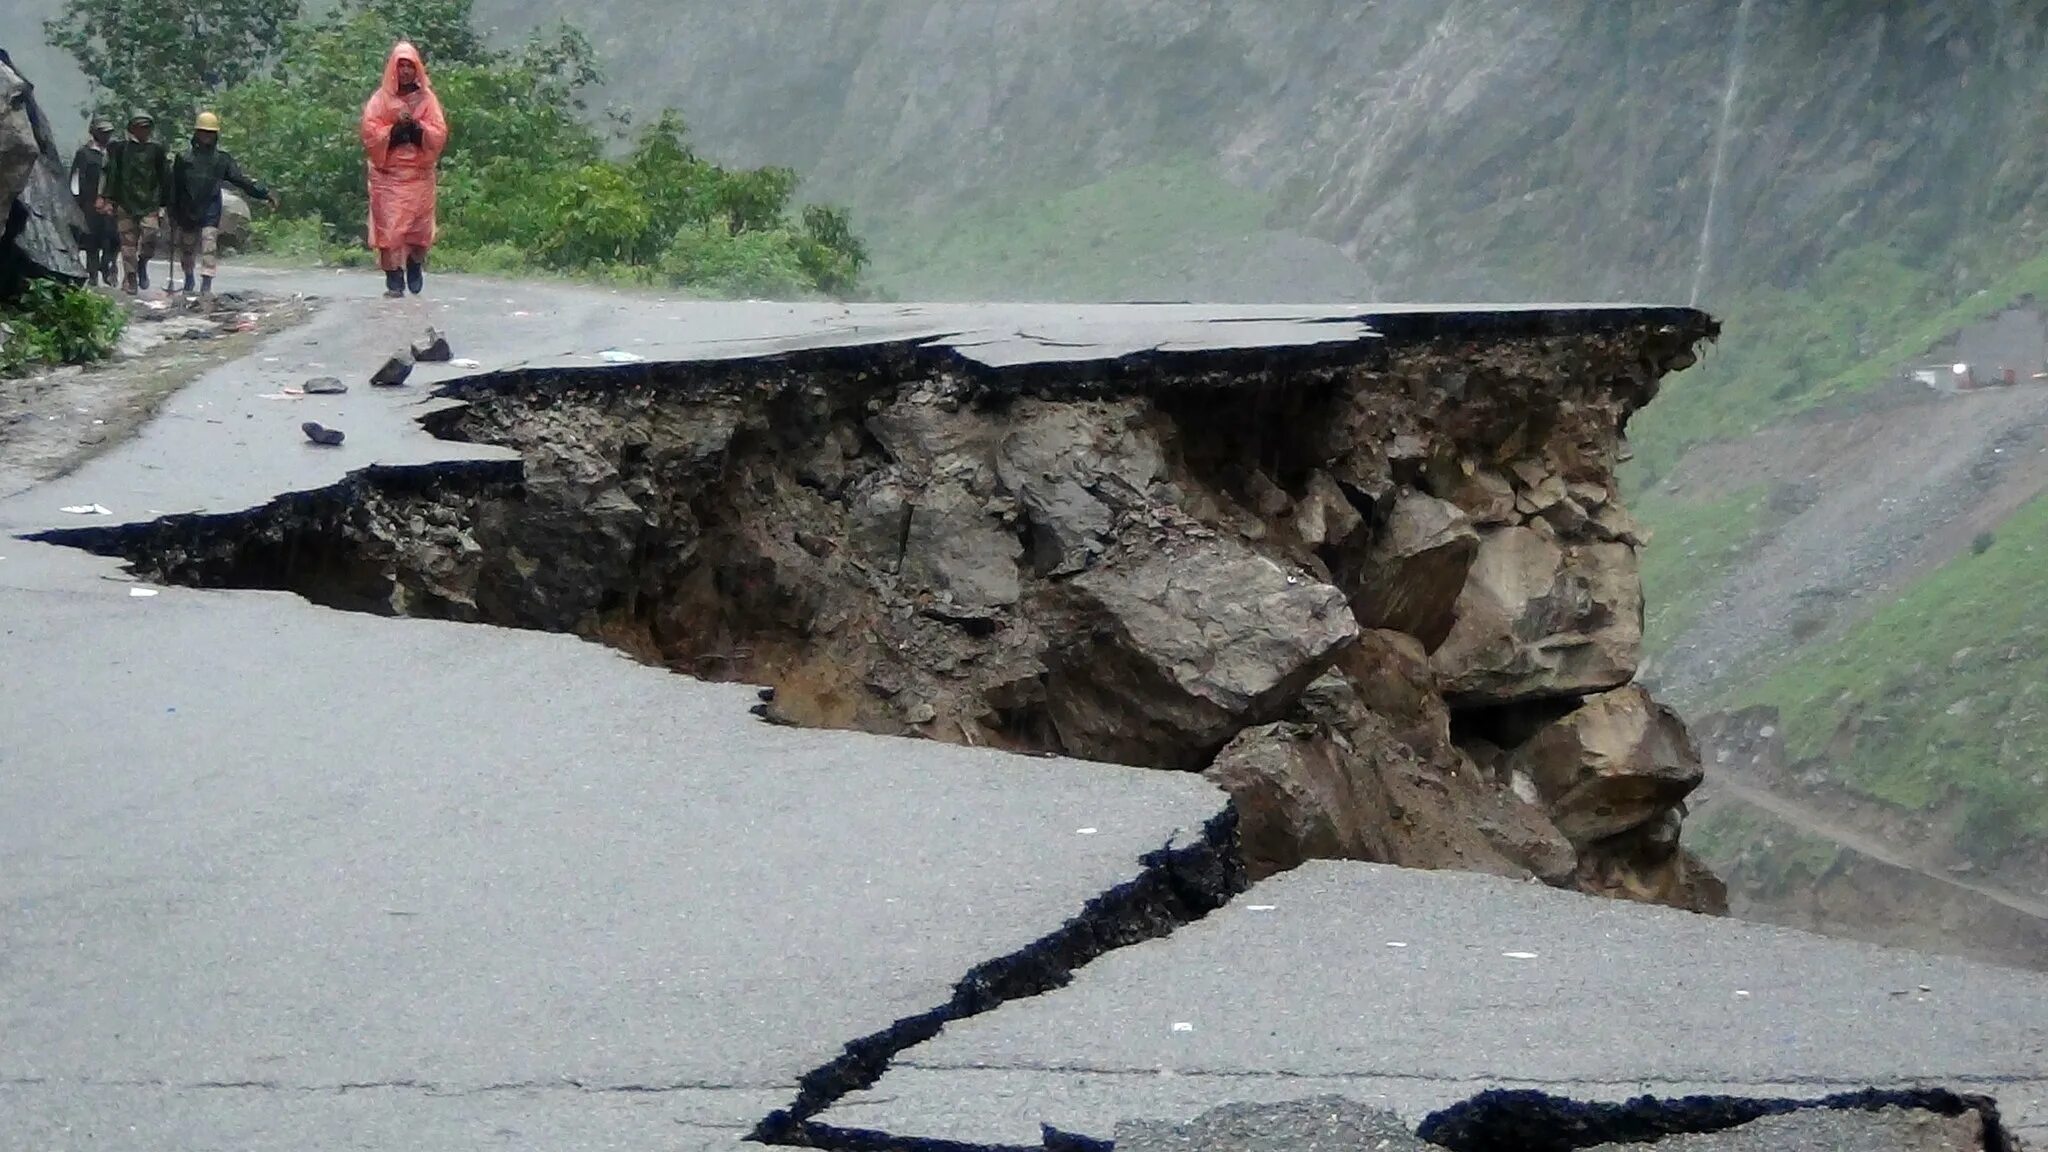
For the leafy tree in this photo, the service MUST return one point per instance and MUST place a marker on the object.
(170, 56)
(528, 179)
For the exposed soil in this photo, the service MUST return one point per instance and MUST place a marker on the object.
(1388, 577)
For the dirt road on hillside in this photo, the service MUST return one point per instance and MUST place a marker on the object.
(1868, 501)
(1726, 783)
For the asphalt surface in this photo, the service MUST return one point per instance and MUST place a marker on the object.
(273, 876)
(1409, 991)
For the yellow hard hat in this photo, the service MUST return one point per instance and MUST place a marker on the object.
(207, 122)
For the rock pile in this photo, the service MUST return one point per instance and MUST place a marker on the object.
(1388, 598)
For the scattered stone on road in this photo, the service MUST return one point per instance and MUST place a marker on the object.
(325, 386)
(433, 349)
(394, 372)
(322, 435)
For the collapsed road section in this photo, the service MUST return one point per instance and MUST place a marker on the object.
(1383, 590)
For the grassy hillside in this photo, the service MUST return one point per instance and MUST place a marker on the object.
(1939, 701)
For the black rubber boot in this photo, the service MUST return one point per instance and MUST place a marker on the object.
(142, 275)
(188, 283)
(415, 276)
(394, 284)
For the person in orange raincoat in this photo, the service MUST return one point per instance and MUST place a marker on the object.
(404, 133)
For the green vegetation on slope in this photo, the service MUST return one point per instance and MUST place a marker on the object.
(1766, 857)
(1865, 315)
(1941, 697)
(53, 323)
(1692, 546)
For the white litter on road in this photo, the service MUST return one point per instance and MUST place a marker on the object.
(1084, 831)
(465, 362)
(141, 592)
(1519, 955)
(614, 356)
(1183, 1026)
(88, 510)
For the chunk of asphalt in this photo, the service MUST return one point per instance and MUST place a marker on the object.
(320, 434)
(1330, 1122)
(394, 372)
(433, 349)
(324, 386)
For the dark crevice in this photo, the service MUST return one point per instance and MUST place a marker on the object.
(1530, 1121)
(1178, 885)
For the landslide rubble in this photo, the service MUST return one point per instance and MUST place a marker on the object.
(1385, 593)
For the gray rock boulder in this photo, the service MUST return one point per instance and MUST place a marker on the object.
(1165, 658)
(234, 219)
(1417, 569)
(1541, 620)
(1324, 517)
(1301, 796)
(1068, 467)
(955, 549)
(1619, 762)
(19, 150)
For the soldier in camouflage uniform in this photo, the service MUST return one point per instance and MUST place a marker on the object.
(100, 238)
(196, 180)
(136, 188)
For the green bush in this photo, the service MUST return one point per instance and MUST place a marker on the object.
(527, 181)
(54, 323)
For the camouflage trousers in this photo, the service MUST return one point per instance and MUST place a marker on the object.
(139, 241)
(196, 244)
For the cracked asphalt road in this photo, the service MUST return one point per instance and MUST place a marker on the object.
(1411, 991)
(277, 876)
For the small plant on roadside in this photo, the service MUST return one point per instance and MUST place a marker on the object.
(55, 323)
(1982, 543)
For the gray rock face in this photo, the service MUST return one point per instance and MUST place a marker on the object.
(1542, 620)
(1617, 763)
(19, 151)
(1418, 569)
(1165, 659)
(1068, 466)
(956, 549)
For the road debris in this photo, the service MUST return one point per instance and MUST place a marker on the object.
(433, 349)
(88, 510)
(394, 372)
(141, 593)
(320, 434)
(325, 386)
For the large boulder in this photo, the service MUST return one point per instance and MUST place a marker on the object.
(1417, 569)
(1619, 762)
(1541, 620)
(234, 219)
(955, 549)
(39, 219)
(1307, 791)
(1162, 658)
(1301, 796)
(19, 151)
(1069, 467)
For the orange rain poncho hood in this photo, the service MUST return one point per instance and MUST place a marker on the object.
(402, 178)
